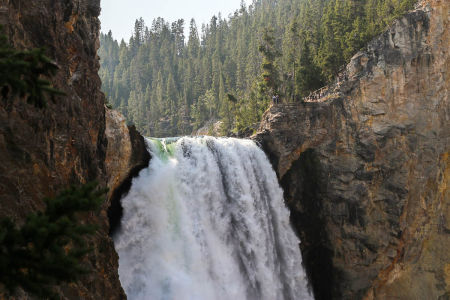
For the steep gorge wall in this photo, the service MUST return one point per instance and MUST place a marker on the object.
(366, 171)
(73, 140)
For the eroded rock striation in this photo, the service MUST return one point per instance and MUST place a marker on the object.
(72, 141)
(366, 170)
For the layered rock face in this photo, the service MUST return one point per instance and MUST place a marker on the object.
(71, 141)
(366, 170)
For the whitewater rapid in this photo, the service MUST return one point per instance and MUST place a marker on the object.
(206, 221)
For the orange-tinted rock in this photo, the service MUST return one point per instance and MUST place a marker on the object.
(366, 172)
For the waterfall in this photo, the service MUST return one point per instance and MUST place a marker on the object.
(205, 221)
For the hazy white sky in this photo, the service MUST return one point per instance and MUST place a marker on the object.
(119, 15)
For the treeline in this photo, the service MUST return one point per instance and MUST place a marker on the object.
(168, 84)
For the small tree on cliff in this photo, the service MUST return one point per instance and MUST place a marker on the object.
(49, 247)
(22, 73)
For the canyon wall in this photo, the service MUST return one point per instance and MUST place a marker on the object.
(366, 168)
(72, 140)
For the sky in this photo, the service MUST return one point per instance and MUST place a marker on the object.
(119, 15)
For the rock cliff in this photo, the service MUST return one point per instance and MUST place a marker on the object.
(72, 141)
(366, 169)
(126, 155)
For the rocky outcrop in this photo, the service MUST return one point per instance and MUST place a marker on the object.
(126, 155)
(44, 151)
(366, 171)
(126, 150)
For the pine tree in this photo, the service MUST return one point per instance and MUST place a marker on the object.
(270, 75)
(22, 72)
(48, 249)
(308, 74)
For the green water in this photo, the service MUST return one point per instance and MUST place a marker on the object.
(164, 148)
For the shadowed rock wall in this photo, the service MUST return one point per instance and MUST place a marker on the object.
(43, 151)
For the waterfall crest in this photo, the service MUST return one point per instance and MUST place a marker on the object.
(206, 220)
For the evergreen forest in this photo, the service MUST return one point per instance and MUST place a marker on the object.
(226, 71)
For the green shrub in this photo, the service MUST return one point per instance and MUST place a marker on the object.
(23, 73)
(49, 247)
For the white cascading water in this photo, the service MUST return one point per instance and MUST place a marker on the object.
(206, 221)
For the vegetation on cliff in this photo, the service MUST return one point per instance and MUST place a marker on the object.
(168, 86)
(46, 150)
(22, 74)
(48, 249)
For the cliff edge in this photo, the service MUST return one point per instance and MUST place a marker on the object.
(366, 168)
